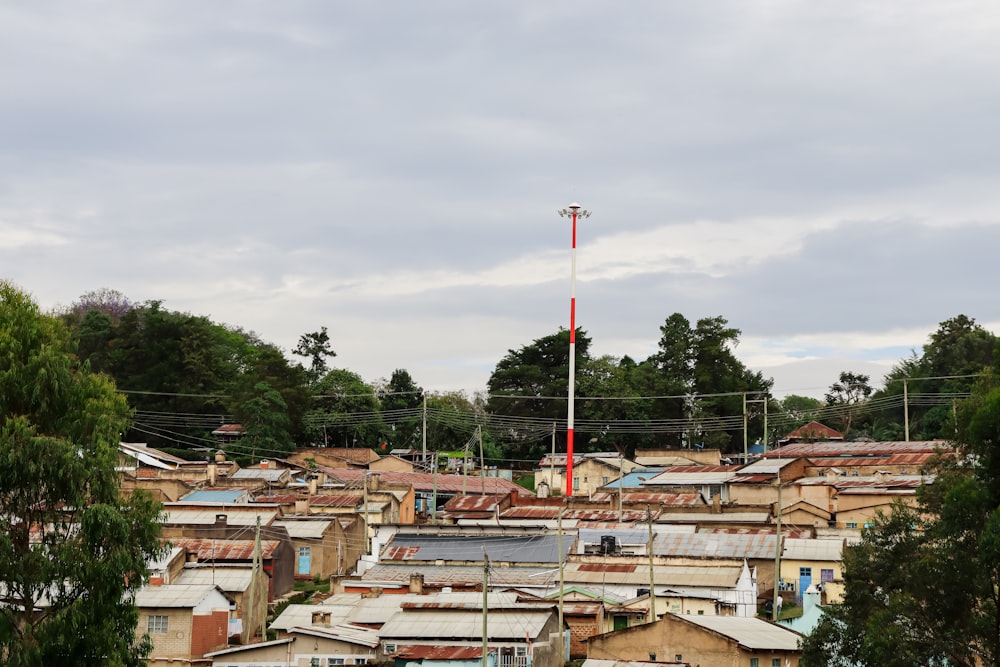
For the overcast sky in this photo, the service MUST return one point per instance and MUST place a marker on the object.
(824, 175)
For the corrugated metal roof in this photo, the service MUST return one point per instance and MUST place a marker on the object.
(652, 498)
(727, 517)
(178, 596)
(268, 475)
(714, 545)
(689, 476)
(227, 497)
(206, 517)
(892, 460)
(427, 652)
(460, 575)
(837, 448)
(465, 625)
(473, 503)
(501, 548)
(305, 529)
(813, 549)
(217, 550)
(343, 632)
(530, 513)
(427, 482)
(722, 577)
(626, 516)
(231, 580)
(300, 615)
(752, 633)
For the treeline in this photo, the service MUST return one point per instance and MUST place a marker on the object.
(185, 376)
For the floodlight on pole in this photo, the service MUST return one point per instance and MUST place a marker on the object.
(573, 211)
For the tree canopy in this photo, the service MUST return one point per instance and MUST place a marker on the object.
(71, 549)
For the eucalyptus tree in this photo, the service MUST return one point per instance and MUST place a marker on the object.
(72, 549)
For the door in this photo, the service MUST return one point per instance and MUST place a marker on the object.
(805, 580)
(304, 561)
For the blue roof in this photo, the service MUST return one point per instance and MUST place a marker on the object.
(635, 478)
(229, 497)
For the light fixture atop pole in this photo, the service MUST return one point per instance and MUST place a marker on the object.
(573, 211)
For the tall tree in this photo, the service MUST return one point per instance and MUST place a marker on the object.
(315, 346)
(265, 422)
(401, 402)
(72, 550)
(846, 396)
(923, 586)
(345, 412)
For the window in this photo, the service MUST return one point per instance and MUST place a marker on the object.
(520, 651)
(389, 648)
(826, 574)
(576, 483)
(775, 662)
(678, 657)
(604, 480)
(361, 661)
(754, 662)
(805, 572)
(330, 662)
(157, 624)
(851, 524)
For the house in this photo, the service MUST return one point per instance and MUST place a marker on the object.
(813, 432)
(521, 633)
(720, 641)
(277, 557)
(184, 622)
(808, 562)
(320, 642)
(590, 471)
(165, 476)
(239, 583)
(324, 545)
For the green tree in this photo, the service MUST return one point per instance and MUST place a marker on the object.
(923, 586)
(528, 390)
(315, 346)
(401, 404)
(72, 550)
(345, 412)
(265, 422)
(846, 396)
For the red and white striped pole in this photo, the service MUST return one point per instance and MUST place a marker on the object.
(573, 212)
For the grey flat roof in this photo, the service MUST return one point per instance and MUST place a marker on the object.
(499, 548)
(753, 633)
(465, 624)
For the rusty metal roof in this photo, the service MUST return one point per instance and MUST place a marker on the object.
(444, 484)
(209, 550)
(427, 652)
(852, 449)
(891, 460)
(473, 503)
(530, 513)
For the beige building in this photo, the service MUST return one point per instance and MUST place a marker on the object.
(805, 562)
(319, 643)
(184, 622)
(719, 641)
(324, 545)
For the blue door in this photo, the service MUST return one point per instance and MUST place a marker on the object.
(805, 581)
(304, 561)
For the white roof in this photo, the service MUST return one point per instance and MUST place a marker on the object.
(181, 596)
(765, 466)
(465, 624)
(753, 633)
(351, 634)
(663, 575)
(310, 529)
(229, 579)
(300, 615)
(692, 478)
(206, 517)
(813, 549)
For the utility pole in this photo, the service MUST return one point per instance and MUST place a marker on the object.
(486, 600)
(906, 410)
(652, 579)
(423, 439)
